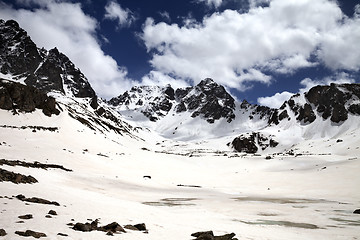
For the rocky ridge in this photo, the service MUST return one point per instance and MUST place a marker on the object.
(207, 100)
(334, 102)
(31, 74)
(50, 70)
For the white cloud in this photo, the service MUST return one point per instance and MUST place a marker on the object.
(165, 15)
(338, 78)
(256, 3)
(237, 48)
(159, 79)
(64, 25)
(211, 3)
(340, 46)
(275, 101)
(278, 99)
(114, 11)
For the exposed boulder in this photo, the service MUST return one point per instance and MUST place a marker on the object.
(250, 143)
(36, 200)
(52, 212)
(18, 97)
(111, 228)
(209, 235)
(32, 165)
(141, 226)
(17, 178)
(83, 227)
(2, 232)
(245, 144)
(26, 217)
(30, 233)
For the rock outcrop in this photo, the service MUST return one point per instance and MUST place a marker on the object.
(207, 100)
(18, 97)
(23, 61)
(250, 143)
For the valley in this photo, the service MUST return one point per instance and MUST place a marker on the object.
(163, 163)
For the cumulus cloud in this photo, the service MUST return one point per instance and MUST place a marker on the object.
(338, 78)
(114, 11)
(278, 99)
(275, 101)
(165, 15)
(64, 25)
(256, 3)
(211, 3)
(156, 78)
(237, 49)
(340, 46)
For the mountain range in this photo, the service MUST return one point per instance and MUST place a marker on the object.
(203, 111)
(43, 91)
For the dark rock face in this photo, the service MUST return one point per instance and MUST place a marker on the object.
(154, 102)
(336, 102)
(30, 233)
(243, 144)
(15, 96)
(208, 100)
(16, 178)
(250, 143)
(42, 69)
(331, 100)
(306, 114)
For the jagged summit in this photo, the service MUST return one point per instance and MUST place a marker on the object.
(334, 102)
(208, 100)
(203, 111)
(21, 60)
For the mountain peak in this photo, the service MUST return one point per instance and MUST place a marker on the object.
(51, 70)
(207, 81)
(207, 100)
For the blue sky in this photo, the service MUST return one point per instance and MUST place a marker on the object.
(260, 50)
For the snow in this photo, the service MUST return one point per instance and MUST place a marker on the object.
(14, 78)
(280, 198)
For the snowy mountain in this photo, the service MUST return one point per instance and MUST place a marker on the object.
(22, 61)
(163, 163)
(208, 100)
(207, 111)
(32, 78)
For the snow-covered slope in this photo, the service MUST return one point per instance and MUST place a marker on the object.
(324, 112)
(174, 190)
(201, 112)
